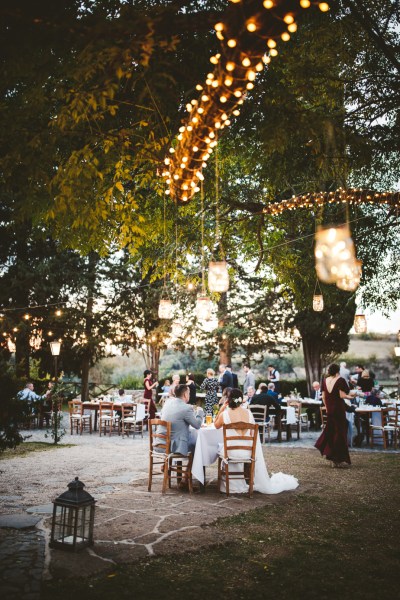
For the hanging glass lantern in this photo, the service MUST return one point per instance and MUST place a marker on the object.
(177, 328)
(350, 280)
(360, 324)
(218, 276)
(318, 302)
(165, 309)
(334, 253)
(203, 308)
(397, 348)
(73, 518)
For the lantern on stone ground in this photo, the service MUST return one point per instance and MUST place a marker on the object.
(203, 308)
(73, 518)
(218, 277)
(360, 323)
(334, 253)
(165, 309)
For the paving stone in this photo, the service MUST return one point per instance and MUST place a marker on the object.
(43, 509)
(18, 521)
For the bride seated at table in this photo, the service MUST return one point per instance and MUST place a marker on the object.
(232, 411)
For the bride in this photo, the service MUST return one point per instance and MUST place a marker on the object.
(232, 411)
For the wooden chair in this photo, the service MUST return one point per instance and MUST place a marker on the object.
(323, 414)
(128, 420)
(77, 418)
(383, 429)
(259, 412)
(160, 455)
(297, 425)
(394, 422)
(108, 420)
(238, 438)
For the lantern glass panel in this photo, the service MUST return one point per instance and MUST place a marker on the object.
(360, 324)
(350, 277)
(218, 277)
(334, 253)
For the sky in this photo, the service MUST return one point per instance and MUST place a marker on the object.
(379, 324)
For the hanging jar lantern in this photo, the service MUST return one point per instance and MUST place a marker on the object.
(350, 280)
(334, 253)
(318, 302)
(73, 518)
(177, 328)
(397, 348)
(218, 276)
(203, 308)
(165, 309)
(360, 323)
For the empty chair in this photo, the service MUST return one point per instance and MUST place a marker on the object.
(129, 424)
(108, 419)
(236, 460)
(382, 430)
(170, 464)
(323, 414)
(288, 423)
(264, 423)
(78, 420)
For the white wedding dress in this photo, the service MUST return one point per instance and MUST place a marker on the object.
(263, 483)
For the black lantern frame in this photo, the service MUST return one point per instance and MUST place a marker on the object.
(73, 518)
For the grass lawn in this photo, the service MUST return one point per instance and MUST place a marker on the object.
(337, 539)
(26, 448)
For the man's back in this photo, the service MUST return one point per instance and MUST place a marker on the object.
(180, 415)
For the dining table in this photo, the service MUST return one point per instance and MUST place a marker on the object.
(206, 439)
(95, 405)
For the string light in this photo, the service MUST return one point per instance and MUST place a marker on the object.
(245, 47)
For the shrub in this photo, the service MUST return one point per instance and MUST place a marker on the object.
(130, 382)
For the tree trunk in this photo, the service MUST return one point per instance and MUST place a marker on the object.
(312, 360)
(21, 298)
(89, 349)
(155, 361)
(225, 346)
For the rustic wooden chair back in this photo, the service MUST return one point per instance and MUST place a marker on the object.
(238, 437)
(259, 412)
(160, 445)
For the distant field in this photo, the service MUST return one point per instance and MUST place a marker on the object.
(365, 348)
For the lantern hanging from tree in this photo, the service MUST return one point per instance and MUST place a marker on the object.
(218, 276)
(318, 302)
(203, 308)
(334, 253)
(350, 280)
(360, 323)
(165, 309)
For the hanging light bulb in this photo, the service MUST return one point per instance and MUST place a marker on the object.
(360, 323)
(218, 276)
(318, 302)
(165, 309)
(350, 280)
(334, 253)
(203, 308)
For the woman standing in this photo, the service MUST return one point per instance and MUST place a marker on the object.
(210, 384)
(149, 385)
(332, 443)
(192, 388)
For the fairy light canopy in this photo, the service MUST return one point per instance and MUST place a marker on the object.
(248, 31)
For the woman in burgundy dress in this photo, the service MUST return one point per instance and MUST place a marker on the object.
(332, 443)
(148, 392)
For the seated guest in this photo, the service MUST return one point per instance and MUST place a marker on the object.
(175, 382)
(265, 399)
(374, 399)
(28, 394)
(313, 413)
(271, 392)
(123, 398)
(365, 383)
(178, 412)
(250, 393)
(166, 387)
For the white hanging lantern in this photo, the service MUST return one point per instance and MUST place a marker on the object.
(177, 329)
(218, 276)
(397, 351)
(165, 309)
(360, 324)
(318, 302)
(203, 308)
(350, 280)
(334, 253)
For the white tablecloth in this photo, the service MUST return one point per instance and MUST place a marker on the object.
(290, 414)
(206, 452)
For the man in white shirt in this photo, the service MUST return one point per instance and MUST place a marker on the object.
(28, 394)
(313, 413)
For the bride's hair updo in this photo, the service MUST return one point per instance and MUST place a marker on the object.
(235, 398)
(333, 369)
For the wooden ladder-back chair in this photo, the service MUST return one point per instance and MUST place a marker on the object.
(240, 440)
(172, 464)
(264, 423)
(297, 412)
(108, 421)
(323, 414)
(394, 422)
(78, 420)
(129, 424)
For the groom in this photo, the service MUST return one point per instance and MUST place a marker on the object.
(181, 415)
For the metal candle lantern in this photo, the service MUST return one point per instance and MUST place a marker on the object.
(218, 277)
(73, 518)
